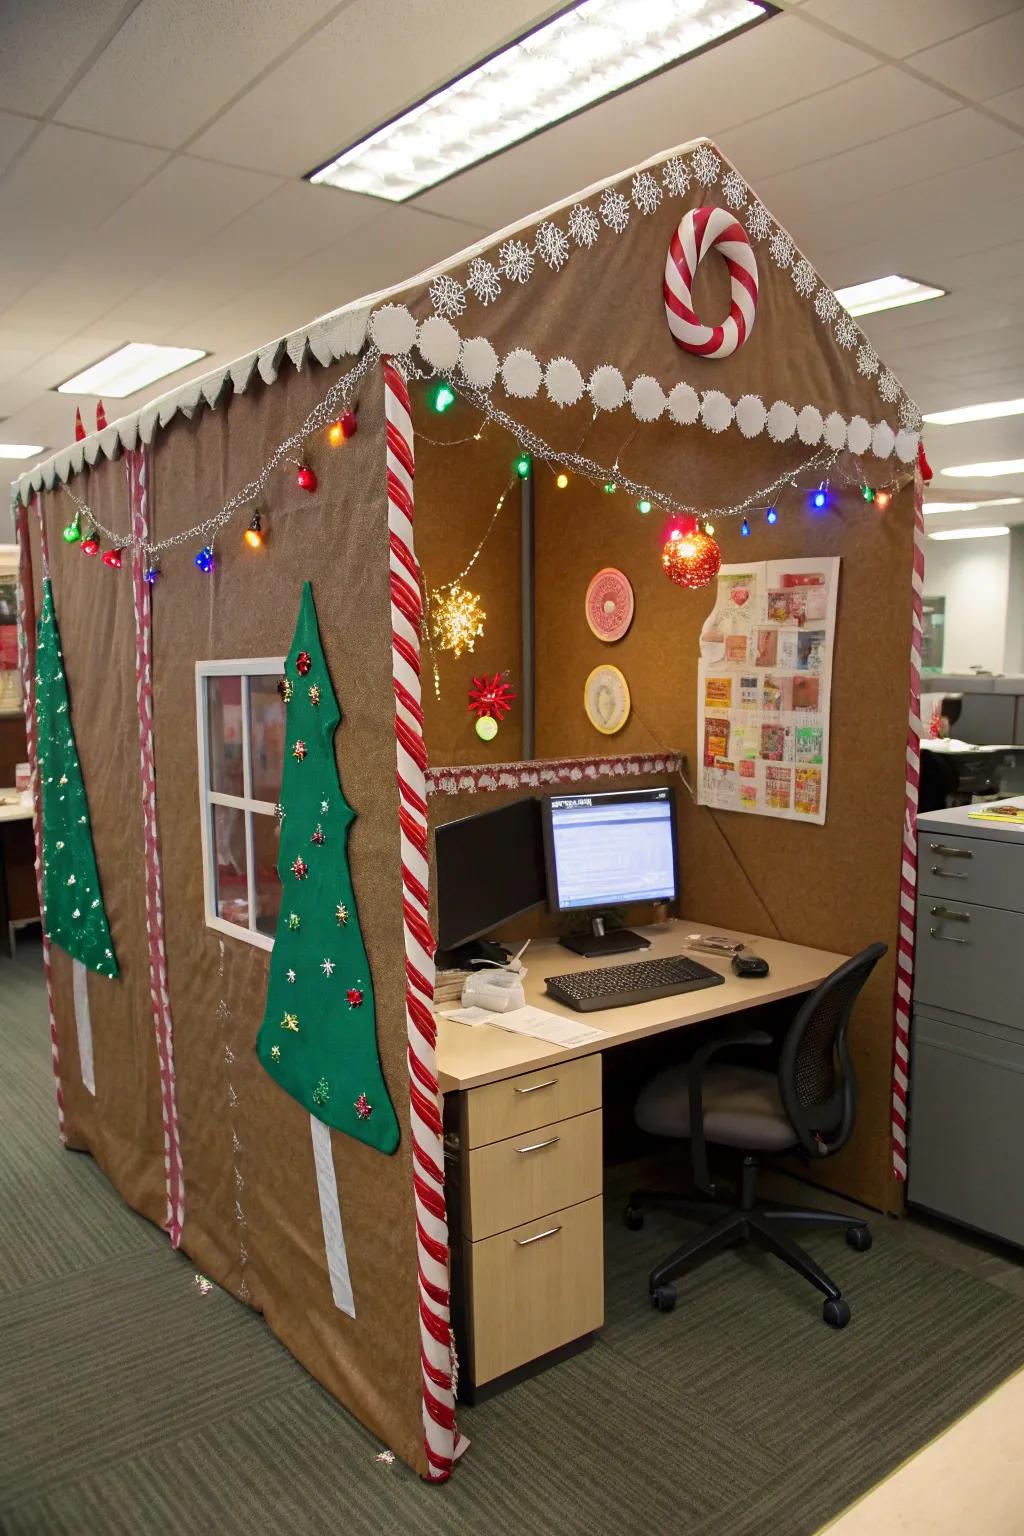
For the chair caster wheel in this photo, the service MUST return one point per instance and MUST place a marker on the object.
(663, 1297)
(633, 1217)
(859, 1238)
(836, 1313)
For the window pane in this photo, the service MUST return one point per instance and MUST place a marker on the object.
(225, 706)
(265, 836)
(231, 895)
(266, 718)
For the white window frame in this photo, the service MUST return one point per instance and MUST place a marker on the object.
(247, 667)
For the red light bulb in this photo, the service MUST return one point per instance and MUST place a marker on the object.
(306, 479)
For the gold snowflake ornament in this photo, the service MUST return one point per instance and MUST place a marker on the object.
(457, 619)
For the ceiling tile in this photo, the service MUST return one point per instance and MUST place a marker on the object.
(49, 41)
(899, 27)
(984, 62)
(1010, 104)
(14, 131)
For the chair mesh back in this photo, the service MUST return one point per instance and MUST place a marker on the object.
(815, 1065)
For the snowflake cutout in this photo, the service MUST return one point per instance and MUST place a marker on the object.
(448, 297)
(780, 247)
(516, 261)
(804, 277)
(290, 1022)
(483, 280)
(826, 305)
(867, 361)
(583, 225)
(327, 966)
(705, 165)
(910, 416)
(275, 1053)
(847, 334)
(888, 386)
(759, 221)
(289, 976)
(552, 246)
(341, 913)
(325, 806)
(734, 189)
(646, 192)
(675, 176)
(614, 209)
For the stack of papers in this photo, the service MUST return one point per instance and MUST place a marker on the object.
(528, 1021)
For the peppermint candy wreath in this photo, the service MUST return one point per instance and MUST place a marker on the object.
(697, 233)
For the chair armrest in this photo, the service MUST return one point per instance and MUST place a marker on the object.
(737, 1035)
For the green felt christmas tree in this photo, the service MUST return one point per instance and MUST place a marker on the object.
(72, 901)
(318, 1039)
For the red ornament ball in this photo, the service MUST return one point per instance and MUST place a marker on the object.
(355, 997)
(306, 479)
(90, 545)
(303, 662)
(690, 559)
(349, 425)
(112, 557)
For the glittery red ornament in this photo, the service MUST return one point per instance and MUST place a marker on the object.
(690, 559)
(90, 545)
(112, 557)
(306, 479)
(303, 662)
(300, 869)
(363, 1107)
(355, 997)
(319, 837)
(491, 696)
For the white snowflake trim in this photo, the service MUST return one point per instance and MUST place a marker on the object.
(516, 261)
(759, 222)
(734, 190)
(614, 210)
(846, 333)
(805, 279)
(646, 192)
(551, 245)
(780, 248)
(448, 297)
(867, 361)
(826, 305)
(583, 225)
(705, 165)
(482, 279)
(675, 176)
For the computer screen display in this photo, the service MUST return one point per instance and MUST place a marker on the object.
(609, 849)
(489, 868)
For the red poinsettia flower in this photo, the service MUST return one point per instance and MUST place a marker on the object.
(355, 997)
(363, 1107)
(303, 662)
(491, 696)
(300, 869)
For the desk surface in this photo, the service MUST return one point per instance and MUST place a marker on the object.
(11, 807)
(467, 1057)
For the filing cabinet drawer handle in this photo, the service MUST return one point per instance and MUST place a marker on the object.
(951, 853)
(956, 917)
(552, 1082)
(946, 874)
(535, 1146)
(524, 1242)
(947, 936)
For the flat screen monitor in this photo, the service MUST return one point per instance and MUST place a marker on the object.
(489, 869)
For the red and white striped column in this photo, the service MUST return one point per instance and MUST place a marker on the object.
(425, 1111)
(137, 469)
(908, 862)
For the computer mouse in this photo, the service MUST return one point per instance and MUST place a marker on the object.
(746, 963)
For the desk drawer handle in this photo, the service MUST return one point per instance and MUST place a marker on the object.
(951, 853)
(524, 1242)
(955, 917)
(947, 936)
(946, 874)
(535, 1146)
(552, 1082)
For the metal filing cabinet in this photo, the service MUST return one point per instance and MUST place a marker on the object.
(967, 1047)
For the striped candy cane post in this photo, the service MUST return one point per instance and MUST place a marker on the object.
(698, 232)
(908, 863)
(428, 1157)
(137, 469)
(27, 664)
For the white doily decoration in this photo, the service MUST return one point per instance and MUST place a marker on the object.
(393, 329)
(563, 381)
(705, 165)
(675, 175)
(805, 279)
(734, 189)
(858, 435)
(583, 225)
(867, 361)
(759, 221)
(809, 425)
(448, 296)
(847, 334)
(716, 410)
(751, 415)
(647, 398)
(607, 388)
(479, 362)
(684, 404)
(483, 280)
(883, 440)
(780, 247)
(646, 192)
(551, 245)
(440, 342)
(826, 305)
(906, 446)
(614, 209)
(835, 430)
(521, 374)
(910, 414)
(888, 386)
(516, 261)
(781, 421)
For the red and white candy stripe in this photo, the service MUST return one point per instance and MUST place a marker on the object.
(428, 1155)
(908, 862)
(137, 469)
(699, 231)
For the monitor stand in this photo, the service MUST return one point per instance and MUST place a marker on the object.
(596, 943)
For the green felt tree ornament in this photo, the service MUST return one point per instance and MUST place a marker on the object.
(318, 1039)
(72, 901)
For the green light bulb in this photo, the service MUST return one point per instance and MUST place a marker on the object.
(643, 505)
(73, 531)
(523, 465)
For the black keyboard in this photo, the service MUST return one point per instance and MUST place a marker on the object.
(613, 986)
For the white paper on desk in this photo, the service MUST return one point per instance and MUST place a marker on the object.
(474, 1017)
(542, 1025)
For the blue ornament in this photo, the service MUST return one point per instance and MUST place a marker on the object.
(204, 559)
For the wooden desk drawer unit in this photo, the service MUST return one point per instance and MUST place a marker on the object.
(536, 1288)
(523, 1103)
(528, 1175)
(967, 960)
(971, 869)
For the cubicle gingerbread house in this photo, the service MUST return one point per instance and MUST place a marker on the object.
(480, 568)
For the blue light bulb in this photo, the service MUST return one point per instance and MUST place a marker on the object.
(151, 573)
(204, 559)
(819, 499)
(772, 515)
(745, 529)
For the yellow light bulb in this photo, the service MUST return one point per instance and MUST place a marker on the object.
(562, 481)
(335, 434)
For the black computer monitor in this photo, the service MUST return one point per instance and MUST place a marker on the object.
(610, 850)
(489, 869)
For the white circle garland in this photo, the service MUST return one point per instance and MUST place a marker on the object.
(439, 342)
(781, 421)
(698, 232)
(607, 388)
(716, 410)
(751, 415)
(647, 398)
(835, 430)
(521, 374)
(809, 425)
(479, 362)
(684, 404)
(563, 381)
(858, 435)
(393, 328)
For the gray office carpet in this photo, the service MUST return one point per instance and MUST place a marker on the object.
(130, 1405)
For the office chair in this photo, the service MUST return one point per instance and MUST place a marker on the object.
(807, 1106)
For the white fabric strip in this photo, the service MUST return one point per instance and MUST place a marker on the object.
(83, 1023)
(330, 1217)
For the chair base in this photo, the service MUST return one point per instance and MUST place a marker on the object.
(764, 1223)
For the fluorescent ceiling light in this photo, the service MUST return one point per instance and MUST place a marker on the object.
(976, 413)
(19, 450)
(130, 368)
(588, 52)
(985, 471)
(972, 506)
(890, 292)
(969, 533)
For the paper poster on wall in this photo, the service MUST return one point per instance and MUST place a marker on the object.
(764, 688)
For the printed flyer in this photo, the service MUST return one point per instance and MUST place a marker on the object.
(765, 682)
